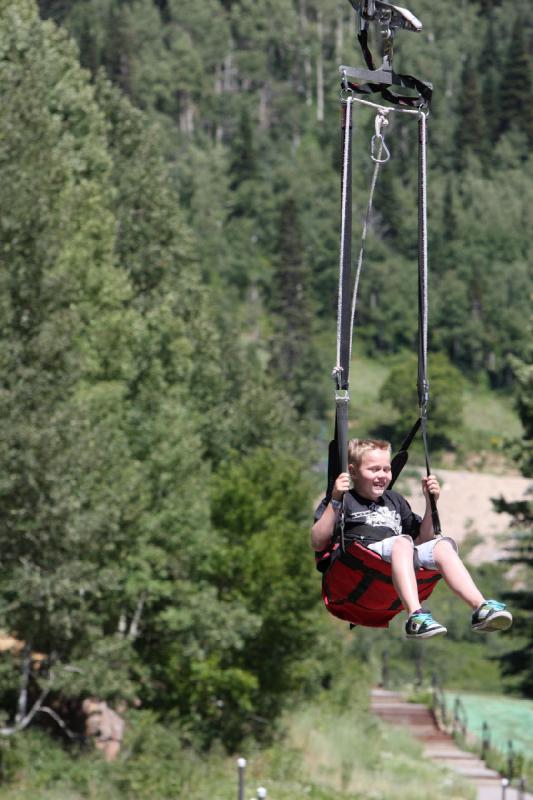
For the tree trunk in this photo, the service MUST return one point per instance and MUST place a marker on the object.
(320, 69)
(219, 90)
(339, 35)
(135, 622)
(307, 79)
(186, 114)
(25, 669)
(263, 107)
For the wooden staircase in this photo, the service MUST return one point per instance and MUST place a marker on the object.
(439, 745)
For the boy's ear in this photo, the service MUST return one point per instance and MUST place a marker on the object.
(352, 470)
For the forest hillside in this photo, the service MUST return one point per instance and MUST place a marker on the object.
(169, 245)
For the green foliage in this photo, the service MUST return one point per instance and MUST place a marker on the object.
(65, 360)
(524, 376)
(445, 401)
(314, 756)
(123, 389)
(249, 117)
(169, 221)
(519, 662)
(260, 507)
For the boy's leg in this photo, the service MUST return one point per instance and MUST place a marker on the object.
(441, 554)
(456, 574)
(398, 551)
(403, 573)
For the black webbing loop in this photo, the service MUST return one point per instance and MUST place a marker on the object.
(341, 424)
(344, 321)
(341, 372)
(434, 513)
(400, 459)
(338, 450)
(382, 80)
(423, 382)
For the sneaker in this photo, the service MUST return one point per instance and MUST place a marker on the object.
(491, 616)
(421, 625)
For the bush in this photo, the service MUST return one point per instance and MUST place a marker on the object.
(446, 386)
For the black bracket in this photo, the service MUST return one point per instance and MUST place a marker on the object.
(394, 87)
(387, 14)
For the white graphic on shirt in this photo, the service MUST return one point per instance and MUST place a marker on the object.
(378, 517)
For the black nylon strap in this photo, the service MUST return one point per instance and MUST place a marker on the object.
(337, 460)
(390, 78)
(370, 575)
(355, 563)
(433, 579)
(400, 459)
(366, 581)
(423, 383)
(341, 418)
(434, 513)
(346, 264)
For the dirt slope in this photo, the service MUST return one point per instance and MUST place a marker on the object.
(465, 507)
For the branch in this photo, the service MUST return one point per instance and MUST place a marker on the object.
(60, 722)
(25, 721)
(134, 626)
(25, 669)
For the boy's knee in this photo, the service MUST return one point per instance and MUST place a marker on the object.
(445, 548)
(403, 544)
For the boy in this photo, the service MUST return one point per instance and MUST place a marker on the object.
(383, 521)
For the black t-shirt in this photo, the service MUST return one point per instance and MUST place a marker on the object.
(373, 520)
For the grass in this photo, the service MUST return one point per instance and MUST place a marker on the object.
(508, 718)
(491, 413)
(489, 418)
(510, 723)
(358, 756)
(367, 411)
(330, 749)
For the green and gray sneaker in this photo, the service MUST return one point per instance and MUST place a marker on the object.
(421, 625)
(491, 616)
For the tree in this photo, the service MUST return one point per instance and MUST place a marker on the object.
(516, 105)
(260, 506)
(293, 356)
(69, 478)
(183, 350)
(445, 397)
(519, 662)
(122, 390)
(471, 133)
(488, 66)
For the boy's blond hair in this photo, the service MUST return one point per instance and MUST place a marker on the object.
(358, 447)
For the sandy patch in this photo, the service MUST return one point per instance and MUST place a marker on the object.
(465, 507)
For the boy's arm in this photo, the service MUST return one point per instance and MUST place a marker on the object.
(323, 529)
(430, 485)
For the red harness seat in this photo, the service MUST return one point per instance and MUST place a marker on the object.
(357, 585)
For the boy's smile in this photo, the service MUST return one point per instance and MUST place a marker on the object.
(373, 475)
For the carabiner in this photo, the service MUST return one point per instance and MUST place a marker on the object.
(381, 121)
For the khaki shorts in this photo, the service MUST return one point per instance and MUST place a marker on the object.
(423, 553)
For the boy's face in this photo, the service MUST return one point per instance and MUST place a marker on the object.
(373, 475)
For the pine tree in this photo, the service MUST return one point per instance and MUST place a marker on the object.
(243, 165)
(519, 662)
(488, 68)
(293, 354)
(471, 134)
(516, 88)
(64, 365)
